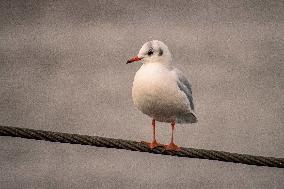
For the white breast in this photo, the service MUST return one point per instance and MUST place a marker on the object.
(155, 92)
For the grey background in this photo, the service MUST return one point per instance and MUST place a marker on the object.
(62, 68)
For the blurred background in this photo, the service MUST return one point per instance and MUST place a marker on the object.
(62, 68)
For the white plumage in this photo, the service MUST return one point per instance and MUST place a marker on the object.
(160, 90)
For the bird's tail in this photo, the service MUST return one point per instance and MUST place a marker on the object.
(189, 117)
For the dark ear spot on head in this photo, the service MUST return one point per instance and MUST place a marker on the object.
(160, 52)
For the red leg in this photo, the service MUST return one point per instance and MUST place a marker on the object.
(154, 143)
(172, 145)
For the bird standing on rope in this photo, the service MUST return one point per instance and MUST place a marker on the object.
(161, 91)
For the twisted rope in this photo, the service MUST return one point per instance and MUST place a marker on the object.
(139, 146)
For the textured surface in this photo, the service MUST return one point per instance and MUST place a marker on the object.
(62, 64)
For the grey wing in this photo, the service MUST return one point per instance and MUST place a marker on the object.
(184, 86)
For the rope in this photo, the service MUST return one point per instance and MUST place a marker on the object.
(139, 146)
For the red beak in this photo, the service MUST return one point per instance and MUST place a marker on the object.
(134, 59)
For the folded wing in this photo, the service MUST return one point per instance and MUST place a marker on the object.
(184, 86)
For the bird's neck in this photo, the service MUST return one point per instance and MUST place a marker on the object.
(157, 65)
(160, 62)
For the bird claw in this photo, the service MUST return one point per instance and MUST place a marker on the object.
(172, 147)
(153, 144)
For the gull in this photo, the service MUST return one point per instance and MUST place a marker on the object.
(161, 91)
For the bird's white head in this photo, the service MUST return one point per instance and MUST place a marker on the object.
(153, 52)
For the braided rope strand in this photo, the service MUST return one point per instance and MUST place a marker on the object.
(139, 146)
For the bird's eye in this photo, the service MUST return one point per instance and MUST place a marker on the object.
(150, 52)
